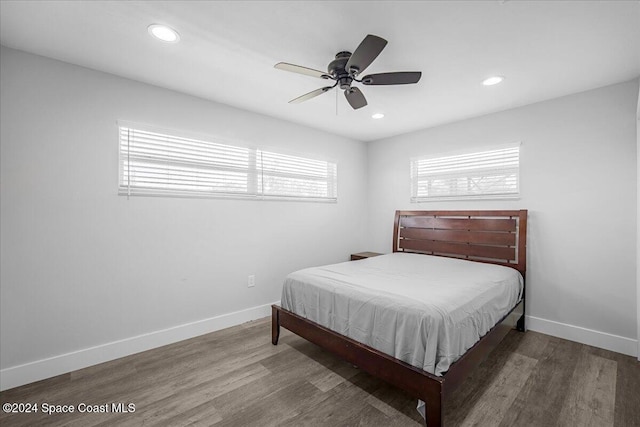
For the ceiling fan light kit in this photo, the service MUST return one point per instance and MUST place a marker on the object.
(346, 67)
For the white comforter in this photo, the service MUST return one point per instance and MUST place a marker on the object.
(424, 310)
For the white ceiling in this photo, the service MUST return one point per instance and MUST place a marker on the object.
(228, 49)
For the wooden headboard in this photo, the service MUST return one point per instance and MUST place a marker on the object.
(497, 237)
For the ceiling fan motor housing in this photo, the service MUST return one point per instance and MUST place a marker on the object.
(337, 69)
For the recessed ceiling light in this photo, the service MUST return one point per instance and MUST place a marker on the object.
(377, 116)
(492, 80)
(164, 33)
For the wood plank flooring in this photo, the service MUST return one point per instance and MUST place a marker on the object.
(236, 377)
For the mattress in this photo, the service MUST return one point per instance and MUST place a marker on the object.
(424, 310)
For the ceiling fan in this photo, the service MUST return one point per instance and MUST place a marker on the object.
(346, 67)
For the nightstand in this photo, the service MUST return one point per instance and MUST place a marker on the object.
(363, 255)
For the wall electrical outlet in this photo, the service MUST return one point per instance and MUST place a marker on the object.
(251, 281)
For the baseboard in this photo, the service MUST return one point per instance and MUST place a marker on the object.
(590, 337)
(47, 368)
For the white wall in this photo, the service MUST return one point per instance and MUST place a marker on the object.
(578, 180)
(84, 267)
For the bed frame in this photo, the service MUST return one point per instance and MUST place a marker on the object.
(497, 237)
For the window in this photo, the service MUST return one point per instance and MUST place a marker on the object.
(283, 175)
(484, 175)
(156, 163)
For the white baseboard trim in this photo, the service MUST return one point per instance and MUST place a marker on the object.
(50, 367)
(590, 337)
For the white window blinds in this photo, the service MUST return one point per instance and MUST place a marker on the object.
(154, 163)
(291, 176)
(485, 174)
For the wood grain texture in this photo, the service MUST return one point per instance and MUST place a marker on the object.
(591, 398)
(503, 389)
(460, 236)
(464, 249)
(547, 385)
(459, 224)
(236, 377)
(492, 236)
(627, 384)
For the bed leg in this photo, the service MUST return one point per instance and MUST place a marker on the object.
(434, 413)
(275, 325)
(520, 325)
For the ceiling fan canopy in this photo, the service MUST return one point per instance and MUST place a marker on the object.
(345, 69)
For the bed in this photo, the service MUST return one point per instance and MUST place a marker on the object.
(475, 255)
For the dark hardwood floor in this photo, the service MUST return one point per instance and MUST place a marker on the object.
(236, 377)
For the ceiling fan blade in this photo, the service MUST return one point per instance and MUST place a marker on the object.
(301, 70)
(399, 78)
(310, 95)
(365, 53)
(355, 98)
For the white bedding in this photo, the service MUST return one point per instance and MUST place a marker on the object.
(424, 310)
